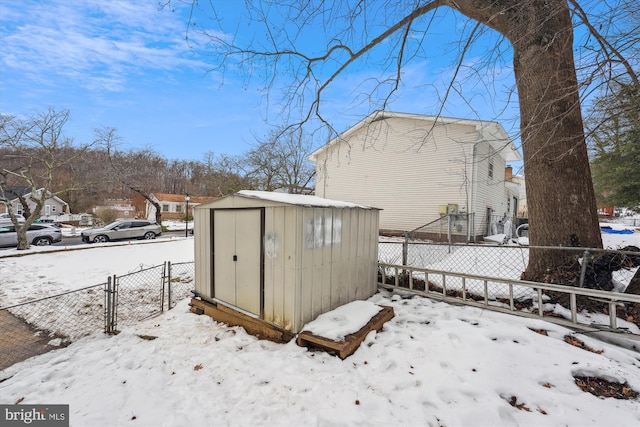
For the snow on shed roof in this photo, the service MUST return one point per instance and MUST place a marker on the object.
(299, 199)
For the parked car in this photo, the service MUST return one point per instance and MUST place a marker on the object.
(5, 218)
(37, 234)
(122, 230)
(49, 221)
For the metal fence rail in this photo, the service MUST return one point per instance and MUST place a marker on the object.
(522, 298)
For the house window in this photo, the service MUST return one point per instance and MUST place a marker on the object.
(491, 155)
(508, 204)
(165, 207)
(53, 208)
(178, 208)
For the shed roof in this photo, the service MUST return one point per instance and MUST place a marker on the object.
(299, 199)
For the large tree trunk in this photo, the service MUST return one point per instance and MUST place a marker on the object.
(560, 196)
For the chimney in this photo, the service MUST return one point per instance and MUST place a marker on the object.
(508, 173)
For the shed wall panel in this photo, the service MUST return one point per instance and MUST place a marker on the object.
(280, 265)
(338, 256)
(202, 252)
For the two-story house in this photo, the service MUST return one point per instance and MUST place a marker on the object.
(418, 168)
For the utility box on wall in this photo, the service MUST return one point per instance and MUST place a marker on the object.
(284, 259)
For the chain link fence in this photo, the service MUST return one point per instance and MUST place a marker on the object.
(507, 261)
(38, 326)
(181, 282)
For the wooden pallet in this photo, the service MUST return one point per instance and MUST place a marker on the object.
(252, 325)
(346, 348)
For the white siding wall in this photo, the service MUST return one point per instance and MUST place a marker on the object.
(397, 165)
(489, 192)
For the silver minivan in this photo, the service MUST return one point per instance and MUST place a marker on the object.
(37, 234)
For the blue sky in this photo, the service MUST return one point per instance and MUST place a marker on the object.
(126, 64)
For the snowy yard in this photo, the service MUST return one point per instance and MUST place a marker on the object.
(433, 364)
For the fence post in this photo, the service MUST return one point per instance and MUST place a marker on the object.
(473, 225)
(169, 285)
(163, 281)
(405, 249)
(583, 267)
(449, 231)
(107, 305)
(110, 305)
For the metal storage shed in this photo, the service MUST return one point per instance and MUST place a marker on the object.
(283, 259)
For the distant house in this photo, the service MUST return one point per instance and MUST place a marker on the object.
(53, 205)
(516, 191)
(123, 208)
(419, 168)
(174, 206)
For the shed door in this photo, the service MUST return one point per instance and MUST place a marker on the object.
(236, 258)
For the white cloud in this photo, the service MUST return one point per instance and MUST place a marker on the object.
(97, 44)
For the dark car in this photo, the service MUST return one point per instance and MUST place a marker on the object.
(122, 230)
(37, 235)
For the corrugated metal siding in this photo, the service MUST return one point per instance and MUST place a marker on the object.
(395, 165)
(315, 259)
(202, 251)
(281, 265)
(339, 269)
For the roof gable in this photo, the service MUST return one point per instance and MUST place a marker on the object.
(492, 132)
(12, 193)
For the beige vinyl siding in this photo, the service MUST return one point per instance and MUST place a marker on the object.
(390, 163)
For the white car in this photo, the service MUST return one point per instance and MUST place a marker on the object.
(37, 235)
(5, 218)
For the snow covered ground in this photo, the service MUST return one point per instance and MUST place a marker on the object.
(433, 364)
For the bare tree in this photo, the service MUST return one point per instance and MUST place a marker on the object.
(34, 149)
(280, 161)
(139, 171)
(540, 34)
(227, 174)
